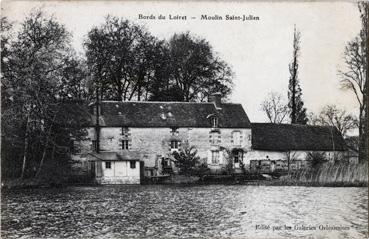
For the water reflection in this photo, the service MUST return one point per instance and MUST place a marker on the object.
(216, 211)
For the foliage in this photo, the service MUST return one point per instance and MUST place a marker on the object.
(6, 35)
(331, 115)
(275, 108)
(128, 63)
(316, 158)
(186, 160)
(37, 118)
(352, 142)
(195, 68)
(355, 76)
(229, 166)
(124, 58)
(295, 103)
(173, 93)
(243, 167)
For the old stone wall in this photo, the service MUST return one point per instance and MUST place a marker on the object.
(155, 143)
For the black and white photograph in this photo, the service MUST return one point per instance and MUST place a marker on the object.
(184, 119)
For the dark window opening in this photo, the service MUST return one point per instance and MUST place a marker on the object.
(125, 131)
(132, 164)
(174, 131)
(214, 122)
(237, 156)
(125, 144)
(174, 144)
(165, 162)
(107, 164)
(94, 145)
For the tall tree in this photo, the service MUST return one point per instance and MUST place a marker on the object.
(128, 63)
(11, 142)
(275, 108)
(123, 58)
(196, 69)
(33, 98)
(296, 105)
(355, 76)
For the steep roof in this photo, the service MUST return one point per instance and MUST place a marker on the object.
(171, 114)
(282, 137)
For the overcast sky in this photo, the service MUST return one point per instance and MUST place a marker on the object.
(258, 51)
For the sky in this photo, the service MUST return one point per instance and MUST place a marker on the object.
(258, 51)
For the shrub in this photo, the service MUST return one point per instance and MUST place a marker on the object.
(186, 160)
(317, 159)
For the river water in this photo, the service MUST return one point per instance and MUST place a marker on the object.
(211, 211)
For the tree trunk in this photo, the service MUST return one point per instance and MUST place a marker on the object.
(293, 113)
(365, 95)
(363, 135)
(48, 134)
(25, 149)
(119, 92)
(139, 85)
(42, 161)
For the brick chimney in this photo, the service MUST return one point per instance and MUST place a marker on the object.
(216, 98)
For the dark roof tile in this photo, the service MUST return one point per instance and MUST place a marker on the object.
(282, 137)
(170, 114)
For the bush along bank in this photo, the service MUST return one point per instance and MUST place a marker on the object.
(329, 174)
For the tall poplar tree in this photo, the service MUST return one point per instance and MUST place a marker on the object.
(295, 103)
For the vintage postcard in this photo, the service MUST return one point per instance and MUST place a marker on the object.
(165, 119)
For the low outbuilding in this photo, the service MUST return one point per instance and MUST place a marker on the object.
(122, 167)
(291, 145)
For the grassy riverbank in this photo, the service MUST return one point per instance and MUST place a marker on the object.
(338, 174)
(330, 174)
(29, 183)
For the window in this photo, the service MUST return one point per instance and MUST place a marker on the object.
(214, 122)
(165, 162)
(174, 144)
(215, 157)
(107, 165)
(236, 136)
(132, 164)
(215, 137)
(94, 145)
(174, 131)
(125, 144)
(75, 147)
(125, 131)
